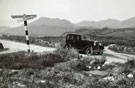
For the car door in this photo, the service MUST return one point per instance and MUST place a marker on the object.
(72, 40)
(78, 43)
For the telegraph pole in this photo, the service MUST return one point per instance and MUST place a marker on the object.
(24, 18)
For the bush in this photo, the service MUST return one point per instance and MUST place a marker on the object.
(123, 49)
(131, 63)
(83, 64)
(23, 60)
(64, 74)
(67, 55)
(65, 66)
(51, 59)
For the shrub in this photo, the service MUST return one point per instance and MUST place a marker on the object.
(65, 66)
(67, 55)
(51, 59)
(23, 60)
(131, 63)
(123, 49)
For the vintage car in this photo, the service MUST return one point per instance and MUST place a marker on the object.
(83, 45)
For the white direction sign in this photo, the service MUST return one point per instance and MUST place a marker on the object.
(24, 17)
(20, 20)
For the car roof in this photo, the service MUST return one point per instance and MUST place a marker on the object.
(74, 34)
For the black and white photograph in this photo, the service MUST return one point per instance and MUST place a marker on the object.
(67, 43)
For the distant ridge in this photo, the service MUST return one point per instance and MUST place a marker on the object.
(55, 27)
(110, 23)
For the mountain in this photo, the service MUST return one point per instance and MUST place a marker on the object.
(119, 32)
(51, 22)
(56, 27)
(87, 24)
(43, 27)
(128, 22)
(3, 29)
(110, 23)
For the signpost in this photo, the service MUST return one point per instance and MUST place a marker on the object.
(24, 18)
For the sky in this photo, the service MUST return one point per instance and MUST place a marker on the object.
(72, 10)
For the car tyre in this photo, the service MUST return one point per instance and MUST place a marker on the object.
(100, 52)
(89, 50)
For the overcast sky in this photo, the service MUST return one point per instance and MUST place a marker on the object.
(72, 10)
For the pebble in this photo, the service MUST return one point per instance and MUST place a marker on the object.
(42, 81)
(130, 76)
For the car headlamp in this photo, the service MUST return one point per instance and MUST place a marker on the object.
(95, 43)
(100, 44)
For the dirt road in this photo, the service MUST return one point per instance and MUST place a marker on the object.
(109, 54)
(116, 57)
(112, 56)
(17, 46)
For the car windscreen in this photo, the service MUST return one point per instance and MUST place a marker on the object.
(85, 37)
(73, 37)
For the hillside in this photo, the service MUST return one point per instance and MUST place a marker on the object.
(129, 22)
(3, 29)
(110, 23)
(43, 27)
(56, 27)
(120, 32)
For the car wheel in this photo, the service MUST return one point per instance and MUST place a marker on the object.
(101, 52)
(89, 50)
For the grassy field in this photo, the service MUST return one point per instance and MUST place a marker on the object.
(63, 69)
